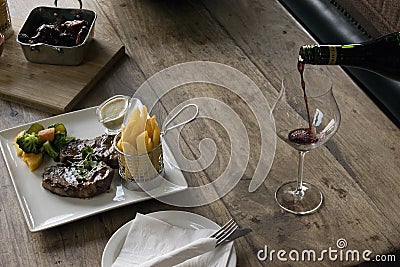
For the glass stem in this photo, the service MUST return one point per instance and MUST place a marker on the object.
(299, 190)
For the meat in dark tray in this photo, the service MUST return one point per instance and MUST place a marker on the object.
(103, 150)
(62, 33)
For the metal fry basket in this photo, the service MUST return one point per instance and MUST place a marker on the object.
(145, 172)
(140, 172)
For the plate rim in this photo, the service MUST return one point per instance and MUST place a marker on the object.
(161, 216)
(4, 145)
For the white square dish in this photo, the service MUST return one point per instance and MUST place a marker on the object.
(43, 209)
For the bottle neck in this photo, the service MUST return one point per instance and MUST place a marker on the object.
(386, 47)
(331, 54)
(381, 55)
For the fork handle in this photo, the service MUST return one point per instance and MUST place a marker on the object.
(179, 255)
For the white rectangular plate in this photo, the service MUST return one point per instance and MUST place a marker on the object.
(43, 209)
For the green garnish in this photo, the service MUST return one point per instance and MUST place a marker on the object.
(84, 167)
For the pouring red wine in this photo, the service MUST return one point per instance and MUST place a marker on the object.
(303, 136)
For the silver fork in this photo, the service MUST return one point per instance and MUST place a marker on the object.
(226, 230)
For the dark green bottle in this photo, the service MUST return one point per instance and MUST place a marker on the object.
(381, 55)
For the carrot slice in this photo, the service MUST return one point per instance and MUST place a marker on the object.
(46, 135)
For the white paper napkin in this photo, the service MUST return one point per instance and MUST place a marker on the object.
(150, 240)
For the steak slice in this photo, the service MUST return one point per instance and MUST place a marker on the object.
(76, 181)
(103, 150)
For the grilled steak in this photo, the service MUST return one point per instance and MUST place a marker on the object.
(76, 181)
(103, 150)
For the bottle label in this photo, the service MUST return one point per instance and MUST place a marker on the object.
(332, 55)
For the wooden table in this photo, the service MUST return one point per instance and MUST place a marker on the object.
(358, 170)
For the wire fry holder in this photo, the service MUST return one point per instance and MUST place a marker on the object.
(140, 172)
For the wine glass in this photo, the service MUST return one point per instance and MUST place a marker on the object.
(305, 119)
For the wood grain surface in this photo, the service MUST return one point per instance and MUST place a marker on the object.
(358, 170)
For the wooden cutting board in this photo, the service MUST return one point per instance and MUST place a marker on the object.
(52, 88)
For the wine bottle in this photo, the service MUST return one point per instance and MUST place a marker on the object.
(381, 55)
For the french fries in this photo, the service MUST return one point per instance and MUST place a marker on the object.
(141, 134)
(139, 138)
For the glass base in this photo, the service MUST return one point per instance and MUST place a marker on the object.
(300, 202)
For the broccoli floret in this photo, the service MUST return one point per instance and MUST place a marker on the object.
(61, 139)
(48, 148)
(29, 143)
(59, 127)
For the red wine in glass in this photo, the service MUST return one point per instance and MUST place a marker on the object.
(303, 136)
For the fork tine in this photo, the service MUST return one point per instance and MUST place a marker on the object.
(227, 234)
(226, 230)
(222, 229)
